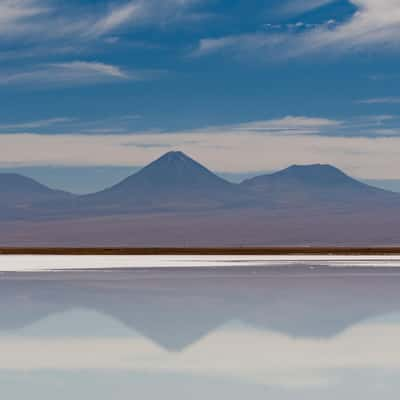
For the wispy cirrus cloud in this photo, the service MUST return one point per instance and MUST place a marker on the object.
(380, 100)
(47, 31)
(368, 126)
(117, 16)
(388, 132)
(290, 122)
(83, 67)
(289, 125)
(65, 125)
(47, 19)
(64, 73)
(302, 6)
(39, 20)
(42, 123)
(17, 16)
(375, 25)
(243, 44)
(143, 12)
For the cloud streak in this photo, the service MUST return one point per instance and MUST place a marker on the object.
(375, 24)
(302, 6)
(117, 17)
(16, 16)
(45, 19)
(65, 73)
(381, 100)
(272, 145)
(43, 123)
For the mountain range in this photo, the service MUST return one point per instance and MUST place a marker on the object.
(19, 191)
(176, 201)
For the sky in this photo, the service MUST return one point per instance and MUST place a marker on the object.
(91, 90)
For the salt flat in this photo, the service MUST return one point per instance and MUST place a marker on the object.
(24, 263)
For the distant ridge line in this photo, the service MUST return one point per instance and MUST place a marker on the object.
(234, 251)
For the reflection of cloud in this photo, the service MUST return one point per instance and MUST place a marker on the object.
(237, 353)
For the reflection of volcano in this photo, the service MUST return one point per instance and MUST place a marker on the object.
(176, 308)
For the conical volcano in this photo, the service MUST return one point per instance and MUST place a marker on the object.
(172, 181)
(174, 171)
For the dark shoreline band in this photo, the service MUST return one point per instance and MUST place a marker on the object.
(240, 251)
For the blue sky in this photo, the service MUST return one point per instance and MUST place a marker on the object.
(105, 86)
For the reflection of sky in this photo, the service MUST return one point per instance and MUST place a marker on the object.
(232, 356)
(84, 353)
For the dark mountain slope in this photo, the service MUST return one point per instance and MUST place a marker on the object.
(174, 182)
(317, 185)
(173, 172)
(315, 175)
(24, 198)
(19, 190)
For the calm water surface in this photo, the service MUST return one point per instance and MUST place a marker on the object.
(285, 331)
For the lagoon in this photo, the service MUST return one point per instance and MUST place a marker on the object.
(279, 328)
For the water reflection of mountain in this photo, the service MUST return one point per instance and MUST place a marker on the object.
(176, 308)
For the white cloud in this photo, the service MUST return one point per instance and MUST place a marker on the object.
(40, 20)
(46, 20)
(376, 25)
(381, 100)
(43, 123)
(242, 44)
(377, 22)
(118, 16)
(250, 147)
(81, 67)
(286, 125)
(142, 12)
(387, 132)
(290, 122)
(67, 73)
(16, 15)
(302, 6)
